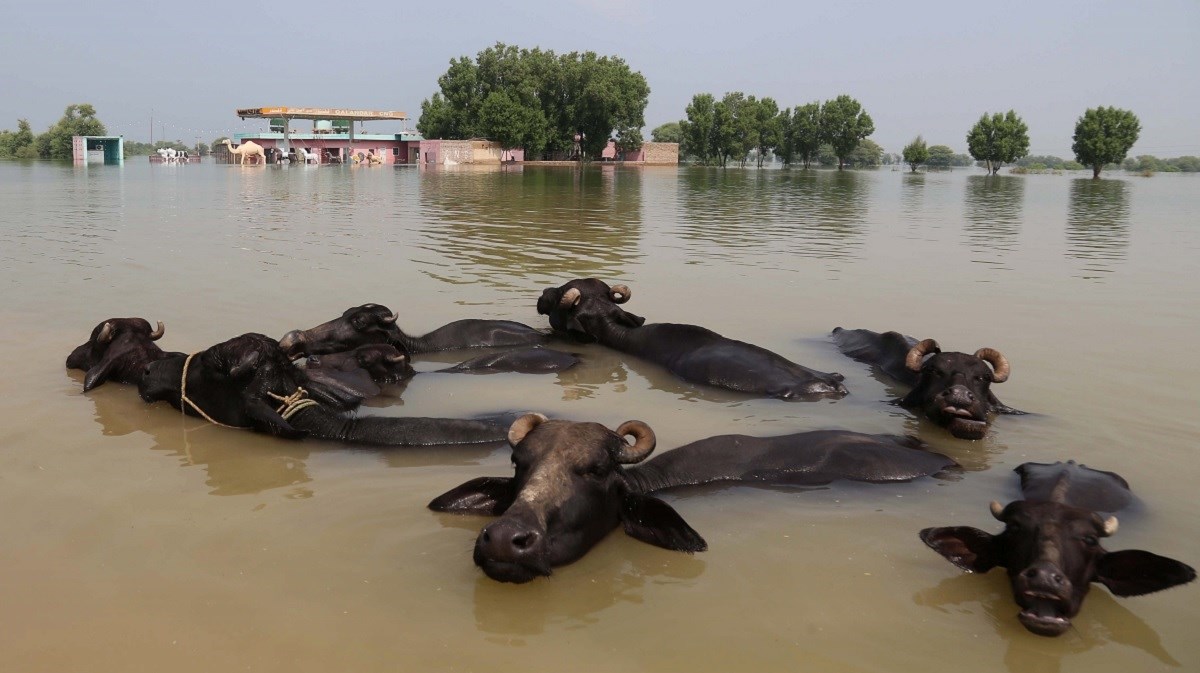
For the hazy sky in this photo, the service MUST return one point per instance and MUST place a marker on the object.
(929, 68)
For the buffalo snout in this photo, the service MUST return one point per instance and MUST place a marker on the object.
(511, 550)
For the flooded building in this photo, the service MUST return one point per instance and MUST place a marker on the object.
(327, 136)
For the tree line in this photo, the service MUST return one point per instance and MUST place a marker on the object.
(79, 119)
(546, 103)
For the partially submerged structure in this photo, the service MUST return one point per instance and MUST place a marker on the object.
(332, 137)
(109, 150)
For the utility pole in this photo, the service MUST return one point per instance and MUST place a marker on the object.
(151, 127)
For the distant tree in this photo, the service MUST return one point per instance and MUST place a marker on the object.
(940, 156)
(726, 138)
(998, 139)
(79, 119)
(769, 132)
(669, 132)
(18, 144)
(868, 154)
(786, 150)
(1187, 164)
(843, 125)
(740, 133)
(629, 140)
(826, 155)
(697, 130)
(561, 96)
(804, 133)
(1103, 135)
(203, 149)
(916, 153)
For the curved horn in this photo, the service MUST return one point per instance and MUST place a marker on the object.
(391, 318)
(918, 352)
(620, 294)
(997, 510)
(157, 334)
(1109, 526)
(570, 298)
(644, 442)
(522, 426)
(397, 358)
(998, 362)
(106, 333)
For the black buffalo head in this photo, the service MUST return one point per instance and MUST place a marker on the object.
(954, 389)
(119, 350)
(1052, 554)
(571, 306)
(358, 326)
(236, 383)
(569, 491)
(382, 362)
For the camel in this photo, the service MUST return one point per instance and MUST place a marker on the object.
(248, 148)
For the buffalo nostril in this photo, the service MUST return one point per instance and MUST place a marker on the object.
(1031, 573)
(523, 541)
(1057, 578)
(486, 537)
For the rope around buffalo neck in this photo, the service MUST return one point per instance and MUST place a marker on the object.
(290, 403)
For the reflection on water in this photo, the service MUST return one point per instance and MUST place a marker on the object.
(1103, 620)
(516, 228)
(736, 216)
(1098, 224)
(992, 207)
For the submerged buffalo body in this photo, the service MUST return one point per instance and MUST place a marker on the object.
(1050, 545)
(248, 382)
(118, 350)
(571, 487)
(588, 310)
(536, 360)
(950, 389)
(376, 324)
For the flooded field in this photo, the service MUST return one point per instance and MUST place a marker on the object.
(133, 538)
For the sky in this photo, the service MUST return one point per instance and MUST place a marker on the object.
(928, 68)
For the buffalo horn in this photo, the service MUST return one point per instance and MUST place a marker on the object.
(157, 333)
(997, 510)
(918, 352)
(644, 442)
(397, 358)
(1109, 526)
(570, 298)
(999, 363)
(522, 426)
(620, 294)
(106, 333)
(391, 318)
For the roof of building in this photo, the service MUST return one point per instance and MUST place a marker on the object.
(319, 113)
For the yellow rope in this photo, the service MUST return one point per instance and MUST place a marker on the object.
(290, 404)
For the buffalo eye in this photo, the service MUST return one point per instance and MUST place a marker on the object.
(1090, 540)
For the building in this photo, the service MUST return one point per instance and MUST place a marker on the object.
(332, 137)
(109, 150)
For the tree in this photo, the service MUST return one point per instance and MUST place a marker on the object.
(670, 132)
(940, 156)
(843, 125)
(697, 129)
(19, 144)
(916, 153)
(549, 98)
(79, 119)
(1104, 135)
(765, 117)
(867, 154)
(998, 139)
(725, 139)
(804, 132)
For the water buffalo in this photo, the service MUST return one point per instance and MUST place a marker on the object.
(376, 324)
(571, 489)
(1051, 549)
(587, 309)
(536, 360)
(118, 350)
(248, 382)
(953, 390)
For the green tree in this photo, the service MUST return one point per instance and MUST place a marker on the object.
(669, 132)
(843, 125)
(826, 155)
(940, 156)
(916, 153)
(79, 119)
(725, 139)
(511, 123)
(767, 128)
(18, 144)
(998, 139)
(1103, 135)
(866, 155)
(803, 134)
(697, 130)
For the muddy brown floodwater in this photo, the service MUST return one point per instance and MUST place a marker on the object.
(134, 539)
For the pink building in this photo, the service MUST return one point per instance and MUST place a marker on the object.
(331, 138)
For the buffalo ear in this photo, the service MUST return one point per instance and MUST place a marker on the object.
(549, 300)
(629, 319)
(276, 424)
(968, 548)
(488, 496)
(98, 374)
(651, 520)
(1133, 572)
